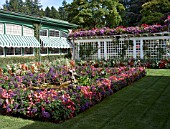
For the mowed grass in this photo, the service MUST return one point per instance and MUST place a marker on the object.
(142, 105)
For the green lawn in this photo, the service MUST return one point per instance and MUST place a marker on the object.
(143, 105)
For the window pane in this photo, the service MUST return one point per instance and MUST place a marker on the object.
(63, 50)
(54, 33)
(54, 50)
(1, 28)
(1, 51)
(63, 34)
(18, 51)
(28, 31)
(12, 29)
(43, 50)
(43, 32)
(10, 51)
(28, 51)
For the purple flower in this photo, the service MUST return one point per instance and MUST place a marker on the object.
(45, 114)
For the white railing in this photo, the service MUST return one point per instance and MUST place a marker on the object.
(153, 46)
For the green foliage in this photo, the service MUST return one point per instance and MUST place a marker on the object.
(92, 13)
(132, 13)
(154, 10)
(87, 50)
(13, 60)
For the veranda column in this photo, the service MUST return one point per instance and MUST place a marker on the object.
(134, 48)
(99, 51)
(78, 50)
(141, 49)
(105, 50)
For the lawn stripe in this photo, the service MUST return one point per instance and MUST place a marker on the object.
(128, 99)
(133, 104)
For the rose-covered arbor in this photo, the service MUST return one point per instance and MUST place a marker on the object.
(141, 42)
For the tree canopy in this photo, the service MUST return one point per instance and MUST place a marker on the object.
(97, 13)
(155, 10)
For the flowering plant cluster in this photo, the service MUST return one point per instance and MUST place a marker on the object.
(144, 28)
(161, 64)
(168, 19)
(17, 97)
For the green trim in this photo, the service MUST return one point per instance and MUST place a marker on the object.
(23, 50)
(16, 23)
(43, 20)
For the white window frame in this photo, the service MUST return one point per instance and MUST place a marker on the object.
(43, 30)
(28, 31)
(1, 28)
(54, 30)
(13, 29)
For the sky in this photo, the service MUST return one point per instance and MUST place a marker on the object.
(45, 3)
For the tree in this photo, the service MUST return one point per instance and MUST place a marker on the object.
(95, 13)
(54, 13)
(47, 12)
(62, 11)
(14, 5)
(36, 7)
(132, 13)
(155, 10)
(21, 6)
(6, 5)
(27, 7)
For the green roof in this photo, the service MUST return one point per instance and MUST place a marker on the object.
(41, 20)
(18, 41)
(55, 42)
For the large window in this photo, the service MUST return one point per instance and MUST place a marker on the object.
(12, 29)
(63, 34)
(28, 31)
(43, 33)
(54, 33)
(1, 51)
(10, 51)
(43, 50)
(54, 50)
(64, 50)
(28, 51)
(13, 51)
(18, 51)
(1, 28)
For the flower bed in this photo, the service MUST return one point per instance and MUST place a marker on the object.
(144, 28)
(136, 30)
(18, 97)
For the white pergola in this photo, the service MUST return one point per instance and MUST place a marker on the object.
(111, 47)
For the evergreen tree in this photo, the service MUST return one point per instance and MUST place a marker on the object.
(21, 6)
(36, 7)
(14, 5)
(6, 5)
(62, 11)
(27, 7)
(54, 13)
(47, 12)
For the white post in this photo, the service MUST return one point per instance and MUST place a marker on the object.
(78, 49)
(99, 51)
(105, 50)
(141, 49)
(134, 48)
